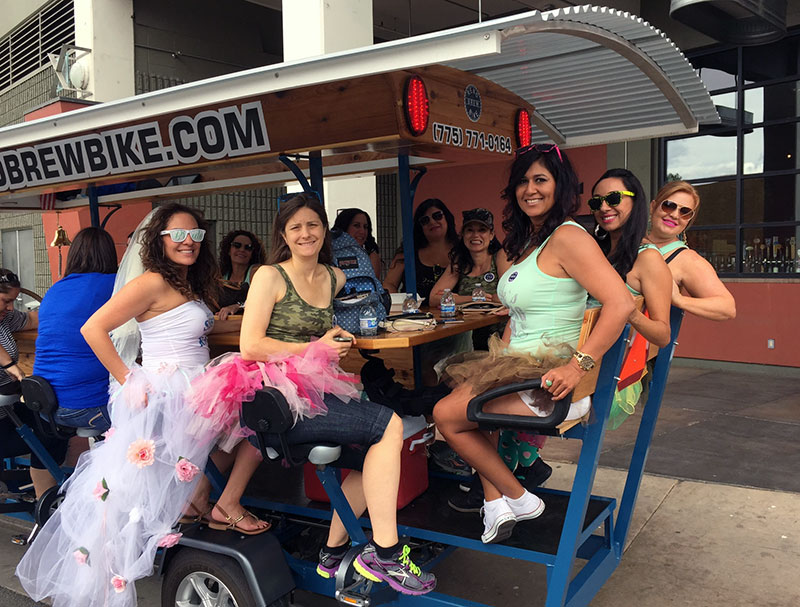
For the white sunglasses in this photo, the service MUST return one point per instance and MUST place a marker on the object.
(179, 234)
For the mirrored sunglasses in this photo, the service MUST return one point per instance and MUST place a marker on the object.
(426, 219)
(239, 245)
(612, 199)
(685, 212)
(179, 234)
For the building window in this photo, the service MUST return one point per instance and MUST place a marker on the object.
(18, 257)
(747, 169)
(24, 50)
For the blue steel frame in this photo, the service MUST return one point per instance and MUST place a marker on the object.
(59, 474)
(602, 553)
(408, 189)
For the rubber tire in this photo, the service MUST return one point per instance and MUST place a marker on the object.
(225, 569)
(47, 504)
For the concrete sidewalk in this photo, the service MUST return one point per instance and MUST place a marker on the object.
(691, 544)
(717, 523)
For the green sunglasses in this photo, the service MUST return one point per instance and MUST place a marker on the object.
(612, 199)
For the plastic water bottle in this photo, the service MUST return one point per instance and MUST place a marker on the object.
(368, 320)
(478, 294)
(410, 305)
(447, 307)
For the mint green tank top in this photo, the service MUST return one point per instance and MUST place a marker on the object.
(671, 246)
(543, 310)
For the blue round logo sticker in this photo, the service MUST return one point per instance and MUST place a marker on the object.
(472, 102)
(512, 277)
(488, 277)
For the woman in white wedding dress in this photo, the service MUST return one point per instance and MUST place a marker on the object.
(126, 495)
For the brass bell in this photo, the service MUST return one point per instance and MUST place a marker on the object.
(61, 239)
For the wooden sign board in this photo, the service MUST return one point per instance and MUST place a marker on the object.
(471, 119)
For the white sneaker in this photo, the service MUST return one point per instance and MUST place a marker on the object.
(525, 507)
(498, 521)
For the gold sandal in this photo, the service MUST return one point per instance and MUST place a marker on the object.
(233, 523)
(201, 516)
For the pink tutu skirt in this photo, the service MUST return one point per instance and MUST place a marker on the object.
(303, 379)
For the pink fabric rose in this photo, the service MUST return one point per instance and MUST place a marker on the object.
(169, 540)
(101, 490)
(119, 583)
(110, 432)
(186, 470)
(142, 453)
(81, 556)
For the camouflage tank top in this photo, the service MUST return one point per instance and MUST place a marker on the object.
(296, 321)
(488, 280)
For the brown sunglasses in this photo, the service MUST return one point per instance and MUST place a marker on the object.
(685, 212)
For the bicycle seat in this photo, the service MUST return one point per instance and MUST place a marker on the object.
(39, 396)
(268, 413)
(8, 400)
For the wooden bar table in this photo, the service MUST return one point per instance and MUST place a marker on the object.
(398, 349)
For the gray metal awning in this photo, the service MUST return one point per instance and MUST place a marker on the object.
(595, 75)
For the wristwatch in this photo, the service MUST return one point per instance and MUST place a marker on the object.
(585, 361)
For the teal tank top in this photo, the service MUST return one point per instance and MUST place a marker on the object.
(670, 247)
(544, 310)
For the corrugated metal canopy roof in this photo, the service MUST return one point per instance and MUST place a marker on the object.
(595, 75)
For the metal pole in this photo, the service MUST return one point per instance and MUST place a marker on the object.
(94, 209)
(315, 167)
(407, 214)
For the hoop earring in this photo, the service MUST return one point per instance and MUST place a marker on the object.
(597, 232)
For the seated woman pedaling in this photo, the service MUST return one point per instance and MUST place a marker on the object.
(63, 357)
(11, 444)
(620, 209)
(554, 263)
(288, 324)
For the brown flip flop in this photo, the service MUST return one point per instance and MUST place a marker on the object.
(233, 523)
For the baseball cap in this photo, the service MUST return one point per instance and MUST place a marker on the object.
(479, 215)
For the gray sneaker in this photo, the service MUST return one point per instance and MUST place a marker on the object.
(329, 563)
(399, 572)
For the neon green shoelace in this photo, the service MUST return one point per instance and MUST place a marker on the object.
(406, 560)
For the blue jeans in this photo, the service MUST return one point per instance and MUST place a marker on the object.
(357, 422)
(93, 417)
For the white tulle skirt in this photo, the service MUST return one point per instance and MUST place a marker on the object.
(124, 498)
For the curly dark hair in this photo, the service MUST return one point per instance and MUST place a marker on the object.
(258, 257)
(345, 218)
(517, 225)
(201, 281)
(624, 256)
(280, 250)
(461, 258)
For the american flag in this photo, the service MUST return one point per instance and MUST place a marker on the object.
(47, 202)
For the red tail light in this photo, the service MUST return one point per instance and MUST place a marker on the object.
(416, 105)
(523, 128)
